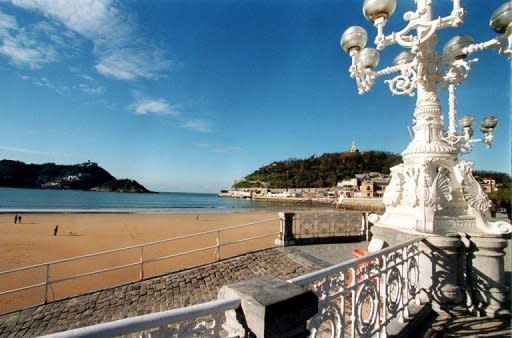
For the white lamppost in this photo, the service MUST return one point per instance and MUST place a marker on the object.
(432, 191)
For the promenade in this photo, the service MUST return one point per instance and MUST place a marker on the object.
(166, 292)
(201, 284)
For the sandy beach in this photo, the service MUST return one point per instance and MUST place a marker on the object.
(32, 242)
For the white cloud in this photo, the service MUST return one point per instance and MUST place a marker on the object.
(144, 105)
(127, 64)
(225, 150)
(24, 150)
(91, 90)
(23, 47)
(7, 22)
(121, 52)
(45, 83)
(197, 125)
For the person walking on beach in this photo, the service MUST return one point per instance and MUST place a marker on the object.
(19, 219)
(55, 230)
(16, 219)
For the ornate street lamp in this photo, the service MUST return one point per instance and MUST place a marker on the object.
(432, 191)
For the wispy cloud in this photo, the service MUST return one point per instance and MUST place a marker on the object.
(26, 150)
(90, 89)
(120, 50)
(24, 46)
(45, 83)
(197, 125)
(225, 150)
(145, 105)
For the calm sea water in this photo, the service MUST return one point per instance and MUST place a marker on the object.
(17, 200)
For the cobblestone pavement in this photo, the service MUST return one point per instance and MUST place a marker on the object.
(152, 295)
(326, 255)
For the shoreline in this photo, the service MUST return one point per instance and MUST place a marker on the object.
(178, 211)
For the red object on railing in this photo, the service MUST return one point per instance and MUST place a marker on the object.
(358, 253)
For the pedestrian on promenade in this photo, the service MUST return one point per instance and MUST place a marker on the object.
(55, 230)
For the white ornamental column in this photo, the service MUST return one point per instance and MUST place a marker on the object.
(433, 193)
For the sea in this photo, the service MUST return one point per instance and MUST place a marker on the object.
(40, 200)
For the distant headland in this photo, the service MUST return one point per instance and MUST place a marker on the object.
(83, 176)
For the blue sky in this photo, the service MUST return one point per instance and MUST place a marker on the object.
(187, 95)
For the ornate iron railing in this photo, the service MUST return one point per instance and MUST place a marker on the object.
(357, 298)
(201, 320)
(360, 297)
(329, 224)
(211, 244)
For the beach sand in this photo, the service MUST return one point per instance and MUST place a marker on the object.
(32, 242)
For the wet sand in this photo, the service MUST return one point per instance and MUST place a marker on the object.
(32, 242)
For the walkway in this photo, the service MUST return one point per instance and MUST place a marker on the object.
(152, 295)
(201, 284)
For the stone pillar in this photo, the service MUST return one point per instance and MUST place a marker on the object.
(270, 308)
(442, 266)
(487, 275)
(286, 222)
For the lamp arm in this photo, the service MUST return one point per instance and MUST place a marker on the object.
(476, 47)
(406, 40)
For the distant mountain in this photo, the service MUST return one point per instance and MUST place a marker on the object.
(317, 172)
(84, 176)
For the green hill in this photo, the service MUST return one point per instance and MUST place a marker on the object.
(85, 176)
(317, 172)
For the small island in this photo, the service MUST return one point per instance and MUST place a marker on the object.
(83, 176)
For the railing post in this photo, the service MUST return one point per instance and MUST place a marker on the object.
(47, 283)
(141, 275)
(286, 223)
(218, 246)
(270, 308)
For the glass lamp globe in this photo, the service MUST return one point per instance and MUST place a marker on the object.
(466, 121)
(374, 9)
(368, 58)
(354, 37)
(501, 18)
(453, 48)
(490, 122)
(484, 129)
(403, 57)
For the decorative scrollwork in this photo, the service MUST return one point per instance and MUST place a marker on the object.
(394, 285)
(330, 314)
(324, 223)
(339, 222)
(440, 189)
(472, 192)
(412, 276)
(404, 83)
(306, 224)
(199, 327)
(367, 304)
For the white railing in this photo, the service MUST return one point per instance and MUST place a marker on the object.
(201, 320)
(139, 263)
(360, 297)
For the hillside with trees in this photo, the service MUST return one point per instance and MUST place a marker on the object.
(319, 172)
(84, 176)
(328, 169)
